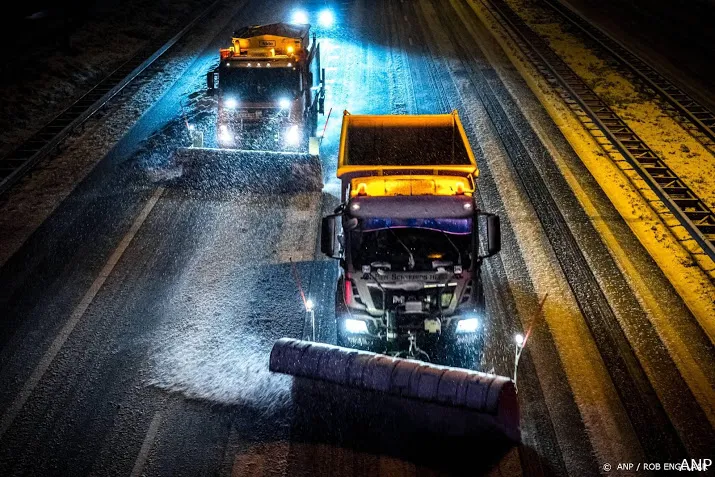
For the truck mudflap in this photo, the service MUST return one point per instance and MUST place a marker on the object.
(246, 170)
(380, 399)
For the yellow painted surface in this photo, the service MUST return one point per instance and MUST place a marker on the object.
(280, 44)
(349, 172)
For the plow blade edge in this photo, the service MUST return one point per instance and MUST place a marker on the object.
(387, 394)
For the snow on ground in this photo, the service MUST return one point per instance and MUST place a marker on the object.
(692, 162)
(678, 149)
(675, 36)
(237, 296)
(39, 84)
(33, 199)
(674, 325)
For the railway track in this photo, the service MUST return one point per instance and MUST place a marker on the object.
(689, 113)
(47, 139)
(612, 133)
(657, 435)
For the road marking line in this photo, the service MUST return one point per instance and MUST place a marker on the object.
(146, 445)
(76, 316)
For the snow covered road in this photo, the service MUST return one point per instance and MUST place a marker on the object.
(138, 314)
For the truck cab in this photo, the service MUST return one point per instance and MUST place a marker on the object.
(407, 235)
(270, 88)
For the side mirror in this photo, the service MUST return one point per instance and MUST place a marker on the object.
(493, 245)
(328, 235)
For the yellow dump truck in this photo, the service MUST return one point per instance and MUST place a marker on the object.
(270, 88)
(407, 237)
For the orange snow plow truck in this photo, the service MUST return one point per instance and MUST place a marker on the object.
(270, 88)
(409, 294)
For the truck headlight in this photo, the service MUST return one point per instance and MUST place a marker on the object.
(299, 17)
(467, 325)
(292, 136)
(326, 18)
(230, 103)
(355, 326)
(284, 103)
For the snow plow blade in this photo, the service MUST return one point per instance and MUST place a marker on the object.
(255, 171)
(377, 397)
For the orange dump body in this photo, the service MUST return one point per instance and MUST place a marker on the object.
(391, 155)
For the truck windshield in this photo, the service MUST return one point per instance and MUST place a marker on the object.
(428, 240)
(260, 84)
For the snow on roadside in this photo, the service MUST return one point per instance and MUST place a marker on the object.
(33, 199)
(692, 162)
(593, 392)
(236, 297)
(44, 83)
(674, 327)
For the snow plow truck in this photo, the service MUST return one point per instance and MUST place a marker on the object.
(408, 235)
(270, 89)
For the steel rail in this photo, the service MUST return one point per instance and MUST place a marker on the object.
(692, 213)
(645, 411)
(693, 116)
(46, 140)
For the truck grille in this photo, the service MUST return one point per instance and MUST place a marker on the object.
(396, 298)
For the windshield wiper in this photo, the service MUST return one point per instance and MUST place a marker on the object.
(459, 255)
(411, 260)
(384, 295)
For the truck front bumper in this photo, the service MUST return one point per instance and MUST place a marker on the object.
(369, 333)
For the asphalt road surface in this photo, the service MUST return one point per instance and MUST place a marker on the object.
(138, 318)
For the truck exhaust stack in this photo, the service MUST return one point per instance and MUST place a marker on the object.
(408, 403)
